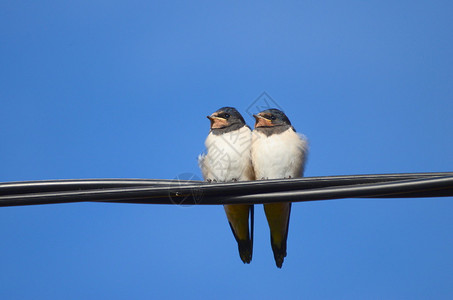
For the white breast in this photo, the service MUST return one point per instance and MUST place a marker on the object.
(278, 155)
(228, 156)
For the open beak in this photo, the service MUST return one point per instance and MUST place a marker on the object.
(217, 122)
(262, 121)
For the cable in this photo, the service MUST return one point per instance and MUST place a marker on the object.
(188, 192)
(79, 184)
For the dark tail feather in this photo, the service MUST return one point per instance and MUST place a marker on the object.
(279, 253)
(279, 249)
(245, 247)
(245, 251)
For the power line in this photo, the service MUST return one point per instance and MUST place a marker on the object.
(151, 191)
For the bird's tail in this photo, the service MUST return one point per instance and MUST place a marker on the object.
(277, 215)
(238, 217)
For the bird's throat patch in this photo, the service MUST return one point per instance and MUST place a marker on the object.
(263, 122)
(217, 122)
(268, 131)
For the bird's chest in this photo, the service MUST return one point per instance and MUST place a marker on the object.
(231, 145)
(228, 155)
(274, 156)
(272, 148)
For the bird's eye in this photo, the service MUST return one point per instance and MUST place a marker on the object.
(226, 116)
(273, 118)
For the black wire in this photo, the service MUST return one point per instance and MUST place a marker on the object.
(8, 188)
(196, 192)
(22, 187)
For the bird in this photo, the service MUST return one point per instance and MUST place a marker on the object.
(227, 159)
(277, 152)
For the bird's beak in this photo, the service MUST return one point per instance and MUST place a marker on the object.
(217, 122)
(262, 121)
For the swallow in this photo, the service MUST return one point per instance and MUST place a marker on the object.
(277, 152)
(228, 159)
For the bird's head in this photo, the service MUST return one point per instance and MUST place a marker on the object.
(226, 117)
(271, 118)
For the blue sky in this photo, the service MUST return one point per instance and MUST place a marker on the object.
(121, 89)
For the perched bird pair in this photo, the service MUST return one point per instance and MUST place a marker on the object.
(272, 150)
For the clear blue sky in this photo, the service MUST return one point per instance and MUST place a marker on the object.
(121, 89)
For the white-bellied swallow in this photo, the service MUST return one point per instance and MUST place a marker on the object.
(277, 152)
(228, 159)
